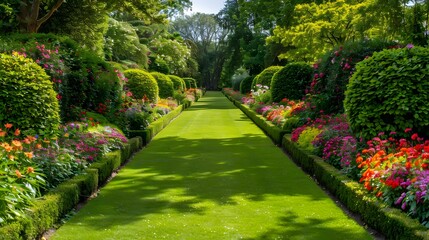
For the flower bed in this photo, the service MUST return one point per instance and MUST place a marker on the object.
(391, 222)
(331, 138)
(47, 210)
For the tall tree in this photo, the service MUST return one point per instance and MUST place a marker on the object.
(204, 31)
(320, 27)
(32, 14)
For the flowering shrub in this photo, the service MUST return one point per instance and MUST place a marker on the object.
(335, 68)
(20, 179)
(397, 171)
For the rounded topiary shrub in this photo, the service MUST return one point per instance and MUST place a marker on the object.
(178, 82)
(190, 83)
(388, 92)
(246, 85)
(165, 85)
(27, 97)
(141, 84)
(291, 81)
(264, 78)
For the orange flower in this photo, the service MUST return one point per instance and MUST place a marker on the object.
(31, 138)
(368, 186)
(27, 141)
(7, 147)
(8, 125)
(18, 173)
(379, 194)
(29, 154)
(38, 146)
(17, 132)
(17, 145)
(359, 159)
(2, 134)
(30, 170)
(11, 157)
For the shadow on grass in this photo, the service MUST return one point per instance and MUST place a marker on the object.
(178, 174)
(199, 176)
(312, 228)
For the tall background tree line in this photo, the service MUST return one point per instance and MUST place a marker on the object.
(245, 36)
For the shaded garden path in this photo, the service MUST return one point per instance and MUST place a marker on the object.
(211, 174)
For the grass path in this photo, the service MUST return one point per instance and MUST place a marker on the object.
(211, 174)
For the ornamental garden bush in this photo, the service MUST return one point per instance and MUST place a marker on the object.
(81, 80)
(27, 96)
(190, 82)
(291, 82)
(142, 85)
(178, 82)
(334, 69)
(388, 92)
(246, 85)
(264, 78)
(166, 88)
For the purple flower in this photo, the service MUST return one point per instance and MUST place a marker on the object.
(409, 45)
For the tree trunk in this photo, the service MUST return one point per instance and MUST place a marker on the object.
(28, 17)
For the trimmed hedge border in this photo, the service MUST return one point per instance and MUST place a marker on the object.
(155, 127)
(391, 222)
(48, 209)
(274, 132)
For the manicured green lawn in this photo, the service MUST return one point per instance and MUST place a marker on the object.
(211, 174)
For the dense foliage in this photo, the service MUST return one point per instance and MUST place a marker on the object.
(264, 78)
(27, 96)
(165, 85)
(333, 70)
(291, 82)
(178, 82)
(387, 93)
(142, 84)
(246, 84)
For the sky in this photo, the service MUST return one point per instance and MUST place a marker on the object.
(207, 6)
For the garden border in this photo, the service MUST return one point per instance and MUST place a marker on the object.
(155, 127)
(275, 133)
(391, 222)
(55, 204)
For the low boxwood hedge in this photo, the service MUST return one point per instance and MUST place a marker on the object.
(274, 132)
(47, 210)
(155, 127)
